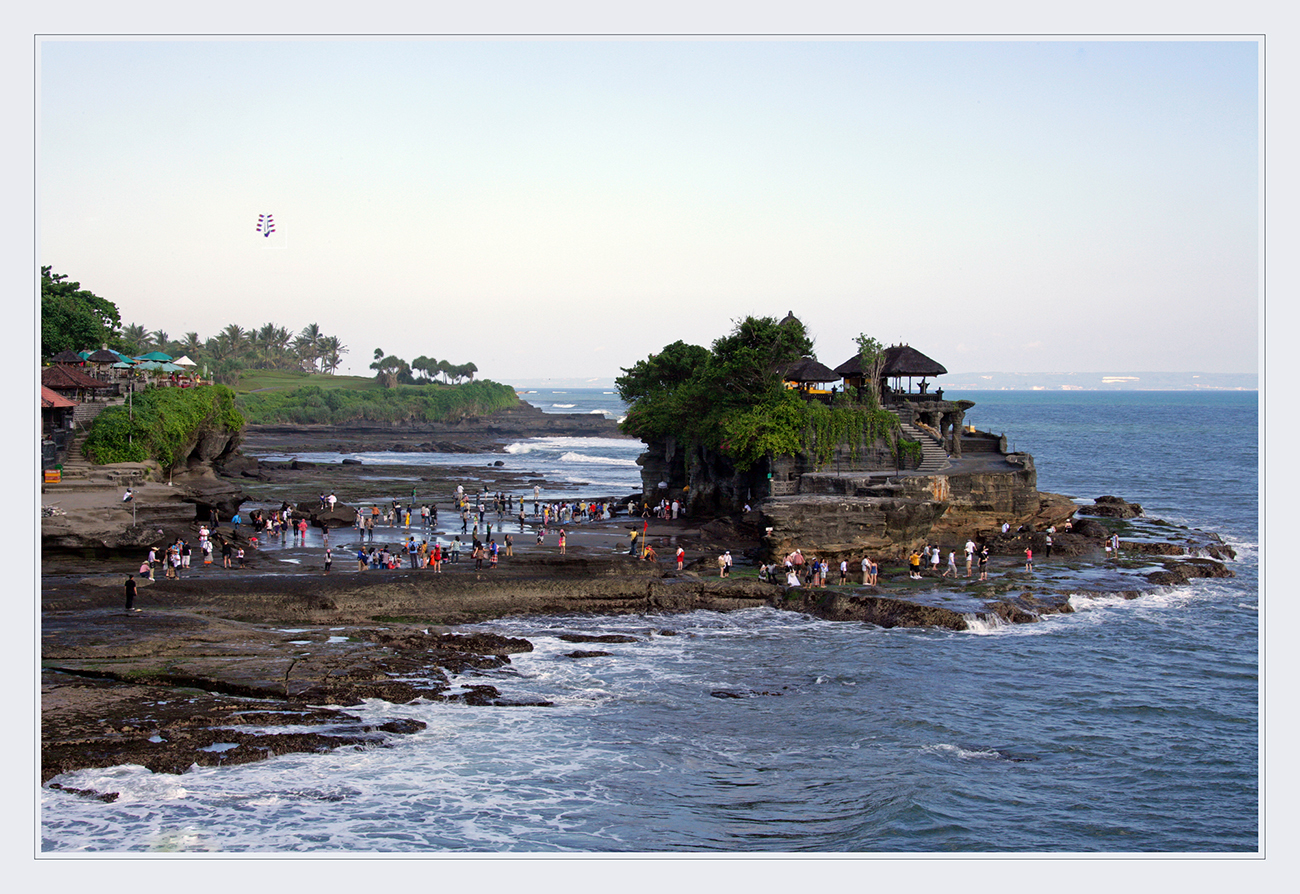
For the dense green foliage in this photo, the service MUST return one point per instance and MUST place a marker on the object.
(73, 319)
(314, 405)
(161, 424)
(732, 398)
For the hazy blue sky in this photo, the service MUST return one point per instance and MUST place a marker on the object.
(564, 208)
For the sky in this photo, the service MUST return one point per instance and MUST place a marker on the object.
(564, 208)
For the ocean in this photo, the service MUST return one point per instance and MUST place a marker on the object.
(1128, 727)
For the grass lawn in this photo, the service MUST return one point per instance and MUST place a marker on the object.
(286, 380)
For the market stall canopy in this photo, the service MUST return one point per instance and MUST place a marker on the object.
(158, 356)
(184, 360)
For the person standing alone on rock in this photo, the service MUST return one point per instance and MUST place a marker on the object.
(130, 588)
(329, 559)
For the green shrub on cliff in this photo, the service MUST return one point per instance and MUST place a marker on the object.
(732, 399)
(313, 405)
(161, 424)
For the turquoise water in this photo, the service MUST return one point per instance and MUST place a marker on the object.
(1129, 726)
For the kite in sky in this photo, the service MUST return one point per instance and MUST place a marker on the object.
(265, 225)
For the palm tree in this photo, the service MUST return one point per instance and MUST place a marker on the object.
(307, 345)
(134, 339)
(469, 369)
(332, 351)
(191, 346)
(236, 339)
(159, 340)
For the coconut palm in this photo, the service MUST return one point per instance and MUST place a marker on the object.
(332, 350)
(158, 338)
(191, 346)
(236, 339)
(134, 339)
(307, 346)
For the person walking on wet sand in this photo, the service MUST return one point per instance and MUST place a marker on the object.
(130, 590)
(563, 540)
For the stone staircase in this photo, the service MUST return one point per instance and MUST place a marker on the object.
(933, 457)
(80, 473)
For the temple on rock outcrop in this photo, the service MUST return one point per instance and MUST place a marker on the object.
(918, 475)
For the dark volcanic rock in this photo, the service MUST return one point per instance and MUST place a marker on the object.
(597, 638)
(579, 653)
(1111, 507)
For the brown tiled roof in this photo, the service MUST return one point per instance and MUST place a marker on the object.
(67, 378)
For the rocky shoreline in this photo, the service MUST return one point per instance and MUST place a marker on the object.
(236, 665)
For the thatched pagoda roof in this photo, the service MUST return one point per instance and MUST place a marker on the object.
(807, 369)
(67, 357)
(904, 361)
(900, 360)
(104, 355)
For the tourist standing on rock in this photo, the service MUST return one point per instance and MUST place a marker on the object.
(521, 521)
(510, 545)
(681, 557)
(130, 589)
(493, 552)
(226, 552)
(935, 555)
(914, 562)
(952, 564)
(1029, 558)
(984, 563)
(844, 571)
(1114, 542)
(329, 559)
(563, 540)
(970, 554)
(455, 548)
(1049, 546)
(361, 558)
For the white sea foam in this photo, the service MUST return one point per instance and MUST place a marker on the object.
(963, 753)
(563, 406)
(572, 457)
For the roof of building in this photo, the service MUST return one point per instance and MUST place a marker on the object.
(900, 360)
(54, 399)
(68, 378)
(67, 357)
(807, 369)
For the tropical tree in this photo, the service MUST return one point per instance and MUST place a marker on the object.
(236, 340)
(389, 369)
(872, 357)
(73, 319)
(159, 341)
(468, 370)
(307, 346)
(134, 339)
(332, 350)
(191, 346)
(427, 367)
